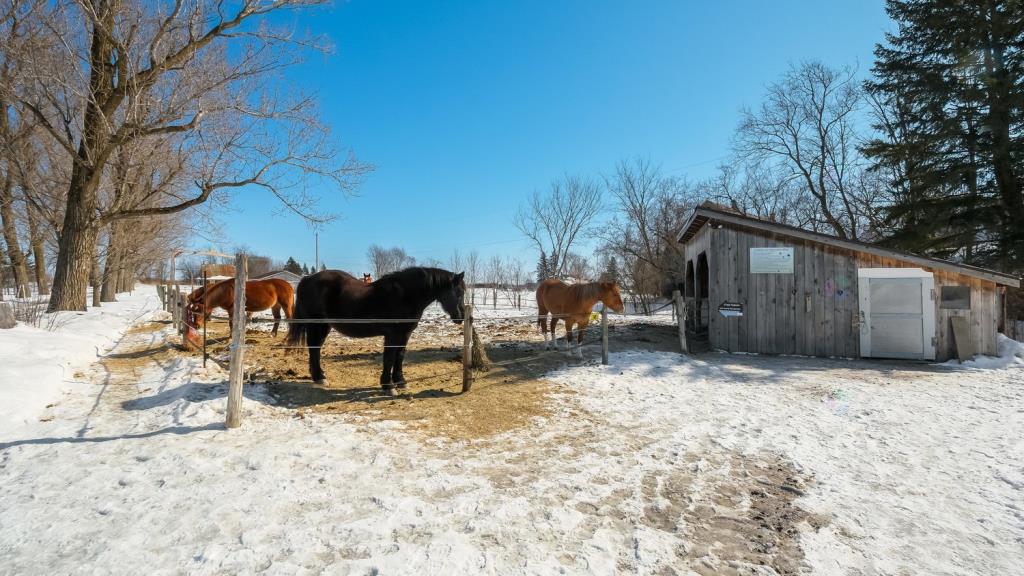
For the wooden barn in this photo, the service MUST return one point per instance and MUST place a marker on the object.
(757, 286)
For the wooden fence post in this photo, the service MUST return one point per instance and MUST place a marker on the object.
(467, 349)
(206, 302)
(681, 315)
(234, 411)
(604, 335)
(173, 301)
(179, 310)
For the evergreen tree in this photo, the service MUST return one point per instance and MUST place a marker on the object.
(949, 103)
(553, 265)
(611, 271)
(305, 270)
(323, 266)
(292, 266)
(543, 272)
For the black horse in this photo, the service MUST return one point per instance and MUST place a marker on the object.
(403, 295)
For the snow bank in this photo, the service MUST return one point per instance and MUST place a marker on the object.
(1010, 352)
(36, 364)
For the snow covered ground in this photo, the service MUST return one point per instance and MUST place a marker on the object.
(656, 464)
(37, 363)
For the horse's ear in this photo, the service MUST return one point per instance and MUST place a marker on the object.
(458, 277)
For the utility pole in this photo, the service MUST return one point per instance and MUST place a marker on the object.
(316, 265)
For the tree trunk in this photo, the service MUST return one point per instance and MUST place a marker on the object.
(79, 232)
(2, 274)
(95, 278)
(38, 253)
(112, 266)
(74, 258)
(14, 253)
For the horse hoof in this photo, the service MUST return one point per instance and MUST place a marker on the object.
(390, 392)
(320, 381)
(401, 385)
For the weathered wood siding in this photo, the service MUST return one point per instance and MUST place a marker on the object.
(815, 310)
(701, 242)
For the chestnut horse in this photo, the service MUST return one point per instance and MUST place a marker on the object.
(573, 304)
(367, 279)
(274, 294)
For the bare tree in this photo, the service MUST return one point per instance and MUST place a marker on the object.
(198, 75)
(650, 208)
(472, 274)
(514, 276)
(456, 262)
(557, 220)
(387, 260)
(495, 277)
(806, 127)
(577, 267)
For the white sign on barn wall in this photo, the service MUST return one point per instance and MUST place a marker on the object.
(771, 260)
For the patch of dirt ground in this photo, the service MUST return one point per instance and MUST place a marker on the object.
(506, 397)
(125, 366)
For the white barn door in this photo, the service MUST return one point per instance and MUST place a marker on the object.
(897, 313)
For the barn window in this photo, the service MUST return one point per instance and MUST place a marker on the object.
(955, 298)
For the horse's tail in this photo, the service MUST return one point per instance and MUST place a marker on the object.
(297, 330)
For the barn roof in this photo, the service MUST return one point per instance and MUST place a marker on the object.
(709, 212)
(286, 275)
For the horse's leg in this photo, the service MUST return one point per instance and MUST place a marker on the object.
(390, 352)
(580, 327)
(316, 334)
(276, 310)
(569, 320)
(396, 372)
(542, 322)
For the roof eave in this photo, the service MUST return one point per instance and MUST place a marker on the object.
(739, 220)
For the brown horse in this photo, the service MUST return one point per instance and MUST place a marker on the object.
(573, 304)
(274, 294)
(367, 279)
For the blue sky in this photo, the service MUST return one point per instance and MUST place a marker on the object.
(465, 108)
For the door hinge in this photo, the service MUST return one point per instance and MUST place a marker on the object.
(931, 294)
(935, 341)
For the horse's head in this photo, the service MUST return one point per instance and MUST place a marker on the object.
(611, 298)
(451, 298)
(196, 314)
(367, 279)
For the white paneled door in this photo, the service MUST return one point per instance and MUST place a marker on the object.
(897, 312)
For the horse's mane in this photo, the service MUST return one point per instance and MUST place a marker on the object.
(419, 277)
(217, 286)
(585, 292)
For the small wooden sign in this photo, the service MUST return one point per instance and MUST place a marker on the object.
(730, 309)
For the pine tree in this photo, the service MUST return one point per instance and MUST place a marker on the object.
(292, 266)
(611, 271)
(543, 272)
(950, 110)
(323, 266)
